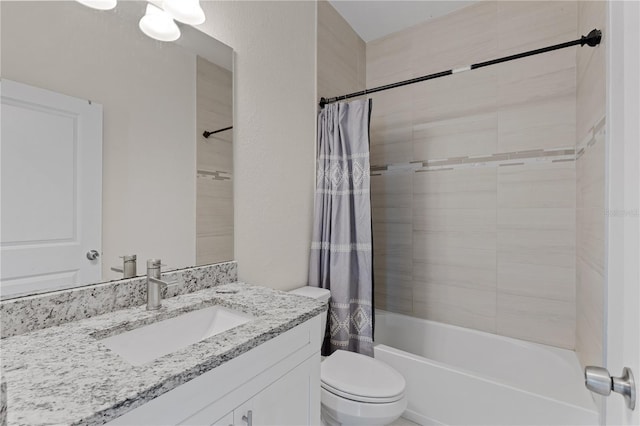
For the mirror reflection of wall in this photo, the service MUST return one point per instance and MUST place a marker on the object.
(214, 188)
(166, 190)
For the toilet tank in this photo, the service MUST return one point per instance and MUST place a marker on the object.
(321, 295)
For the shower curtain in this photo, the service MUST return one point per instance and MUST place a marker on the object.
(341, 249)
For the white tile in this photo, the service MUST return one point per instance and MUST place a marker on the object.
(547, 321)
(340, 54)
(391, 198)
(466, 259)
(214, 249)
(388, 58)
(462, 188)
(458, 95)
(456, 137)
(455, 305)
(590, 170)
(536, 252)
(461, 220)
(544, 185)
(527, 25)
(590, 314)
(460, 38)
(536, 241)
(538, 257)
(592, 238)
(543, 219)
(591, 176)
(531, 79)
(542, 281)
(477, 271)
(391, 215)
(392, 238)
(546, 124)
(591, 68)
(393, 293)
(431, 241)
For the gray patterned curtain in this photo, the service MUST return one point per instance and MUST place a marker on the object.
(341, 250)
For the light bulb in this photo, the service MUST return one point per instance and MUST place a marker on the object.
(187, 11)
(157, 24)
(99, 4)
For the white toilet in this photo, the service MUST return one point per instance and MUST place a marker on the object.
(356, 389)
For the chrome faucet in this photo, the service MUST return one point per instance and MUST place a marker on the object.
(128, 269)
(154, 284)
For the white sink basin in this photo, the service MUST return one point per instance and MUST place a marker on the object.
(152, 341)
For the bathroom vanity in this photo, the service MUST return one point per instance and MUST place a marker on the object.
(264, 369)
(277, 383)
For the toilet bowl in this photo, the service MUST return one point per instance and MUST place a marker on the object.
(356, 389)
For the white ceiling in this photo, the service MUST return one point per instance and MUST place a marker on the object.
(378, 18)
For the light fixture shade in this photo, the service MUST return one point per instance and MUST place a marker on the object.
(157, 24)
(99, 4)
(187, 11)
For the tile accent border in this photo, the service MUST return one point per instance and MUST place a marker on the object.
(24, 314)
(215, 175)
(598, 131)
(517, 158)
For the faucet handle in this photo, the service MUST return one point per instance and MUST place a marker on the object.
(164, 284)
(153, 263)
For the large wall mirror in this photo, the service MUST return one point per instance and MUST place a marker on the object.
(102, 146)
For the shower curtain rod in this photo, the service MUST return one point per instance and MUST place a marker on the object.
(592, 39)
(207, 133)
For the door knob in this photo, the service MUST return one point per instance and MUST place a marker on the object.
(93, 254)
(598, 380)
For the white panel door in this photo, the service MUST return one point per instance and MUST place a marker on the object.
(51, 182)
(623, 189)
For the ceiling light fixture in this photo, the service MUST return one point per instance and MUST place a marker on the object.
(99, 4)
(158, 24)
(187, 11)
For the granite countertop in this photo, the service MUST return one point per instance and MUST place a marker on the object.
(65, 375)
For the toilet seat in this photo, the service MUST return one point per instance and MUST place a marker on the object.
(361, 398)
(361, 378)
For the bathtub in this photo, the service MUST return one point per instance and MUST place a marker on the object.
(459, 376)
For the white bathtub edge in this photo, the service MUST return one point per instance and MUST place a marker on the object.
(420, 419)
(423, 419)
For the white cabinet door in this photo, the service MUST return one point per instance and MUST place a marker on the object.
(224, 421)
(283, 403)
(51, 175)
(243, 415)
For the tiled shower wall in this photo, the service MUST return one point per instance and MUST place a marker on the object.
(474, 177)
(590, 165)
(340, 56)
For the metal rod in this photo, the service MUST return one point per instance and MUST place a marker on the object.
(592, 39)
(206, 133)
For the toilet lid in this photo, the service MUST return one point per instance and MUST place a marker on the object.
(360, 377)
